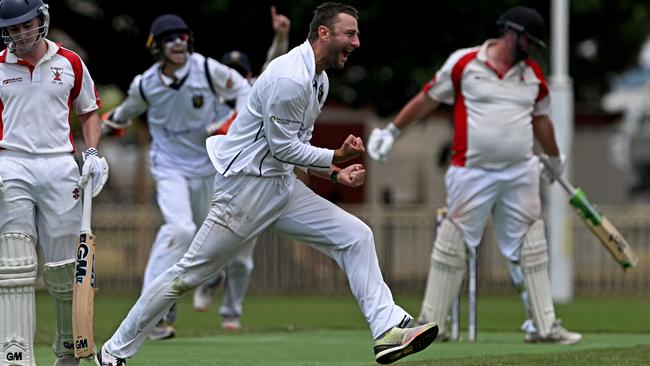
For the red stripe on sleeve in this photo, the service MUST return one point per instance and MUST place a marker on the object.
(459, 146)
(2, 109)
(77, 69)
(543, 87)
(429, 85)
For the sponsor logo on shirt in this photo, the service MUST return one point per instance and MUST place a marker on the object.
(12, 80)
(283, 121)
(76, 193)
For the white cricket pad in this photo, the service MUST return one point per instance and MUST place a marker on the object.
(446, 274)
(534, 261)
(59, 279)
(17, 303)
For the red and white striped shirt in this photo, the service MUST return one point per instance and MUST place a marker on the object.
(35, 101)
(492, 112)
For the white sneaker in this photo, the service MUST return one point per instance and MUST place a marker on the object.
(558, 335)
(230, 323)
(161, 331)
(400, 342)
(103, 358)
(204, 294)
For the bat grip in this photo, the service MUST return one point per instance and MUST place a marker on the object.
(580, 201)
(86, 208)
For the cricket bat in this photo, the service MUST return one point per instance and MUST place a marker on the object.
(83, 295)
(599, 225)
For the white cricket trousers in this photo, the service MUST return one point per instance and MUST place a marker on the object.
(511, 194)
(184, 203)
(243, 207)
(42, 200)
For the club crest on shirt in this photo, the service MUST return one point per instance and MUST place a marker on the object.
(197, 101)
(56, 72)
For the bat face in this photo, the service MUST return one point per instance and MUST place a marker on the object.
(83, 257)
(615, 243)
(83, 297)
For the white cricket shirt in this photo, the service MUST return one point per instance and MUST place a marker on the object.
(271, 135)
(492, 112)
(178, 112)
(36, 100)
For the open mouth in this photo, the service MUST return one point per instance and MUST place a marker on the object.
(346, 53)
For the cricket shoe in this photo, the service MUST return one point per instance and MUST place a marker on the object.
(204, 294)
(230, 324)
(399, 342)
(103, 358)
(441, 337)
(161, 331)
(557, 335)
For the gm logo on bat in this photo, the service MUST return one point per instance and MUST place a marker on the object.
(82, 260)
(81, 343)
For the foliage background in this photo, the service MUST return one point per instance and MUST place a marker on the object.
(402, 43)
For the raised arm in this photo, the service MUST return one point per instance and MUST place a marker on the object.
(280, 46)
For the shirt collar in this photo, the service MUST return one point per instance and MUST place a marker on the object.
(52, 49)
(482, 51)
(179, 73)
(483, 56)
(310, 58)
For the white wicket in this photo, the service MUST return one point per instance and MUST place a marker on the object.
(471, 300)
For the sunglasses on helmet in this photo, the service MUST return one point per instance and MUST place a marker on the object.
(176, 36)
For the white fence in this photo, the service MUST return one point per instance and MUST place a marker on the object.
(404, 238)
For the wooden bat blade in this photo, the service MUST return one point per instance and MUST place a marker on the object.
(615, 243)
(604, 230)
(83, 297)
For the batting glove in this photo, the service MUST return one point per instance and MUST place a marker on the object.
(554, 168)
(94, 170)
(381, 141)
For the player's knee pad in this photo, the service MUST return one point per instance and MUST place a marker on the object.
(18, 264)
(448, 264)
(59, 279)
(534, 262)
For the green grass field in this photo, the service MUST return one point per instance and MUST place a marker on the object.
(329, 330)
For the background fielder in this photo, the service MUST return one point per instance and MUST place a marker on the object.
(237, 273)
(183, 94)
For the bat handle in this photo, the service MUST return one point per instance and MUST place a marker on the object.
(571, 190)
(86, 208)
